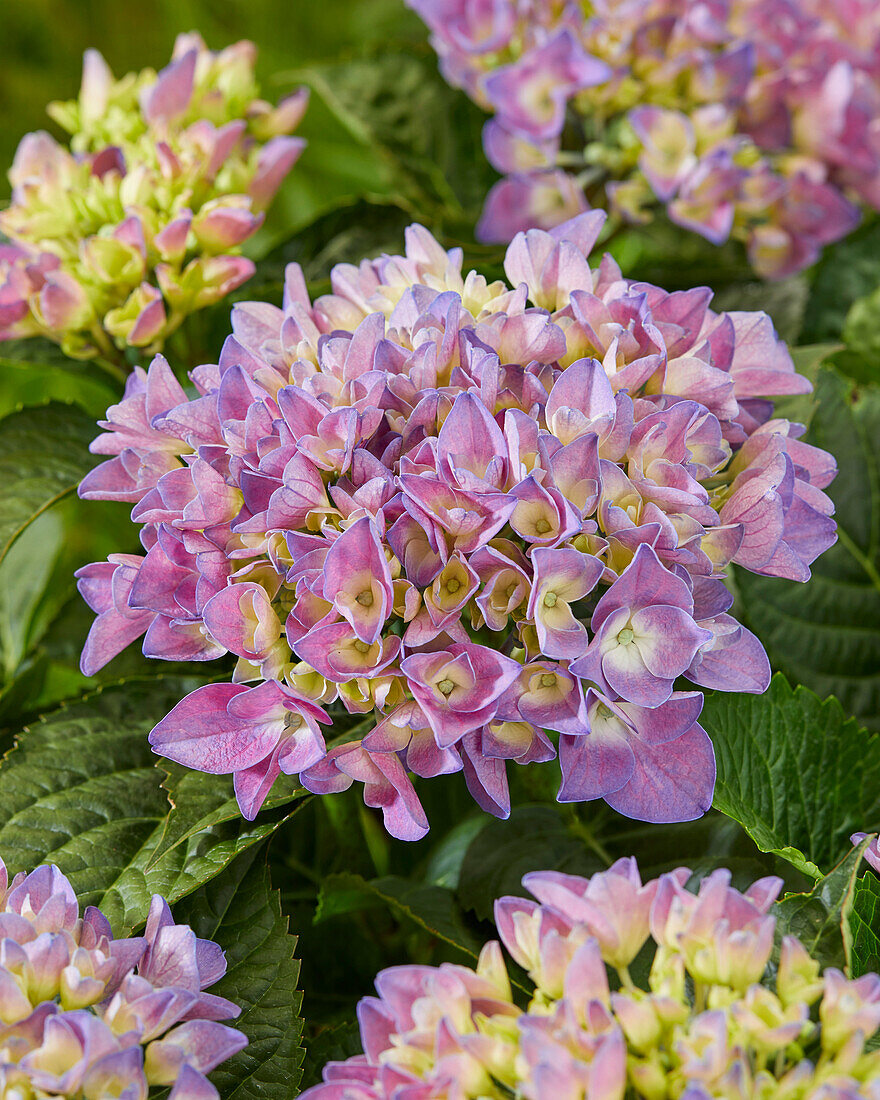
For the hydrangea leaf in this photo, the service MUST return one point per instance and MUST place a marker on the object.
(864, 925)
(43, 457)
(824, 633)
(331, 1044)
(504, 851)
(427, 136)
(821, 918)
(24, 582)
(808, 361)
(861, 359)
(36, 378)
(794, 771)
(239, 910)
(199, 801)
(846, 272)
(182, 869)
(432, 908)
(80, 789)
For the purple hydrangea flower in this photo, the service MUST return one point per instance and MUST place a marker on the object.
(85, 1014)
(711, 1020)
(498, 528)
(745, 119)
(175, 171)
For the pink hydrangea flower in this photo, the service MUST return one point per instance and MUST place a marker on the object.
(85, 1014)
(710, 1020)
(743, 119)
(500, 529)
(175, 171)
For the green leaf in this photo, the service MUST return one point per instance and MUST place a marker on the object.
(182, 869)
(864, 926)
(794, 771)
(26, 382)
(24, 576)
(80, 788)
(847, 271)
(824, 633)
(331, 1044)
(199, 800)
(533, 838)
(443, 867)
(432, 908)
(821, 919)
(241, 912)
(861, 334)
(808, 360)
(428, 136)
(43, 457)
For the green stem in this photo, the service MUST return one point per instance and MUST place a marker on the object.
(579, 828)
(625, 979)
(111, 360)
(862, 558)
(113, 369)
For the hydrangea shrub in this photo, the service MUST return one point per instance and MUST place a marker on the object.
(84, 1014)
(713, 1018)
(480, 521)
(115, 239)
(750, 119)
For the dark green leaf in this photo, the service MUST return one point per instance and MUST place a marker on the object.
(432, 908)
(199, 800)
(794, 771)
(848, 270)
(444, 864)
(24, 576)
(26, 382)
(864, 925)
(330, 1044)
(861, 334)
(43, 457)
(239, 910)
(533, 838)
(80, 788)
(824, 633)
(820, 919)
(426, 134)
(808, 360)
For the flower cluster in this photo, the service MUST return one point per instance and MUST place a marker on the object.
(710, 1023)
(85, 1015)
(116, 239)
(751, 119)
(422, 499)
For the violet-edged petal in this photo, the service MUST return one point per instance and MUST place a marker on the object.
(200, 734)
(670, 782)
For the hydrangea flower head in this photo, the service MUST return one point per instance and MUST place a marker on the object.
(709, 1022)
(501, 529)
(83, 1014)
(751, 119)
(116, 238)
